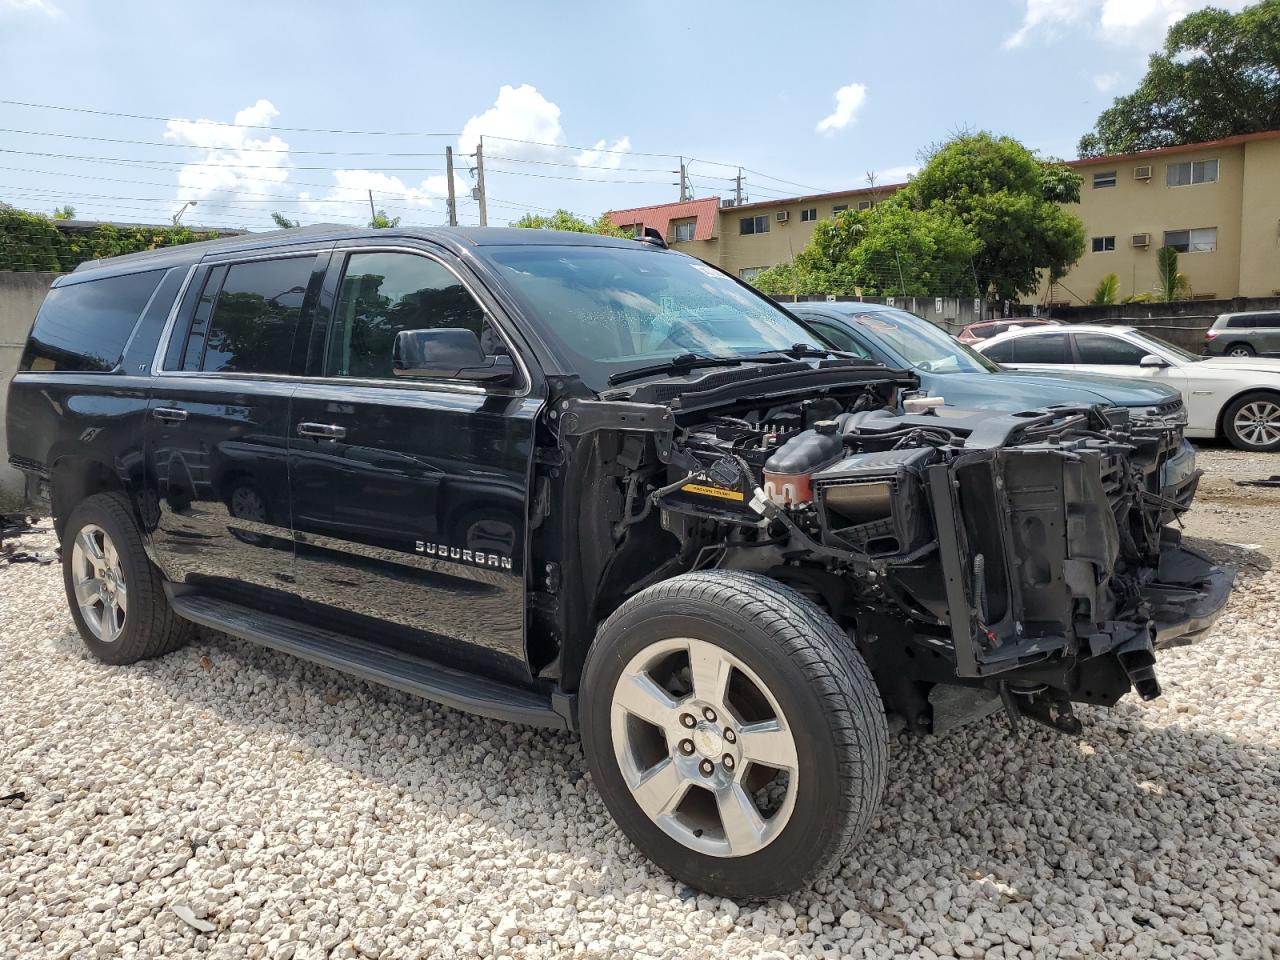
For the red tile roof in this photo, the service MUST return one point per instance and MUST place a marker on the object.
(660, 216)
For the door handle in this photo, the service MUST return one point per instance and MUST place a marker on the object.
(169, 414)
(323, 431)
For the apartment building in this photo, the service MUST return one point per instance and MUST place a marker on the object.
(1218, 203)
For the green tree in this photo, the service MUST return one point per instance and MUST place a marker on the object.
(283, 222)
(893, 249)
(564, 220)
(29, 241)
(1217, 75)
(381, 221)
(65, 212)
(1009, 199)
(1107, 291)
(1170, 284)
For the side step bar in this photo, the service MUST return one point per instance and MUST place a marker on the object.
(424, 678)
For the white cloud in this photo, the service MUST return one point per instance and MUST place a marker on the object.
(240, 163)
(896, 174)
(1139, 23)
(1106, 82)
(352, 187)
(849, 100)
(521, 114)
(46, 7)
(601, 155)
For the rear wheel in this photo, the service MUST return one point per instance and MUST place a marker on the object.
(116, 596)
(1240, 350)
(734, 732)
(1252, 422)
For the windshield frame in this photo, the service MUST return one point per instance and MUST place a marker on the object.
(595, 373)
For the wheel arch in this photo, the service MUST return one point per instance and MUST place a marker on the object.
(1220, 430)
(73, 478)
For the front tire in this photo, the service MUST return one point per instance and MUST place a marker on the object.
(116, 596)
(734, 732)
(1252, 422)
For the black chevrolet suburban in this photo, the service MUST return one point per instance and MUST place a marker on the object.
(598, 485)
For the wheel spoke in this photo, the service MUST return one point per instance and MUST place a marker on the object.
(107, 621)
(89, 544)
(709, 670)
(660, 789)
(88, 591)
(638, 694)
(122, 597)
(769, 744)
(743, 825)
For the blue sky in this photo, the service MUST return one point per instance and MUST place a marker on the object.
(814, 96)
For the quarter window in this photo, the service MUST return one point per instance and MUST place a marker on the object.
(1107, 179)
(1192, 171)
(247, 316)
(85, 326)
(1203, 240)
(384, 293)
(750, 225)
(1098, 348)
(1104, 244)
(808, 214)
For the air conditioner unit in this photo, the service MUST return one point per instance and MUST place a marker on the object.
(1142, 173)
(783, 216)
(1141, 240)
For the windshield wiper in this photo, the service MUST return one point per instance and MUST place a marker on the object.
(799, 351)
(688, 361)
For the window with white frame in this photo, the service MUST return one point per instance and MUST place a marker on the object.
(1103, 244)
(810, 213)
(684, 230)
(1192, 171)
(1106, 179)
(1202, 240)
(750, 273)
(750, 225)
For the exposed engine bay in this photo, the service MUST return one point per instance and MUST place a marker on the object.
(1028, 557)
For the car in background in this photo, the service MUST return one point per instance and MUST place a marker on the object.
(965, 378)
(1255, 333)
(986, 329)
(1236, 398)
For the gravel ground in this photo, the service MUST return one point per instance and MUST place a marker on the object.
(227, 801)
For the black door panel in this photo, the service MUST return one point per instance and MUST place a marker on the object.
(411, 526)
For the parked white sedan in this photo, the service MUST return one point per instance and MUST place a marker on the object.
(1233, 397)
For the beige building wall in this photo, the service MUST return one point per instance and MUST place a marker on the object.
(1260, 220)
(1152, 207)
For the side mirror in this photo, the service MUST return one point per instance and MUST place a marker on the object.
(452, 353)
(1151, 361)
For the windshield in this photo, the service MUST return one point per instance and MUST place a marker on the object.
(922, 345)
(611, 309)
(1168, 347)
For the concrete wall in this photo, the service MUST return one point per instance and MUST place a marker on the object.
(20, 297)
(1182, 323)
(950, 313)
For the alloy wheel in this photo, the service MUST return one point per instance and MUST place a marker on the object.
(704, 747)
(1258, 423)
(101, 591)
(1239, 352)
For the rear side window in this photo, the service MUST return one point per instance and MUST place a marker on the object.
(1254, 321)
(1042, 348)
(247, 316)
(1098, 348)
(85, 326)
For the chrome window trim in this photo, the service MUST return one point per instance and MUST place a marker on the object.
(162, 347)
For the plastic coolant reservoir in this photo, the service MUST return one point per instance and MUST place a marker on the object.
(788, 473)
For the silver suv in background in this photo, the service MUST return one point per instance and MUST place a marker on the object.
(1252, 334)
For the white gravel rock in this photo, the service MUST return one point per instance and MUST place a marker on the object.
(304, 815)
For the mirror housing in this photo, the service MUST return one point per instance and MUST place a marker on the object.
(1152, 362)
(451, 353)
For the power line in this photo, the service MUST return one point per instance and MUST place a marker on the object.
(226, 147)
(224, 123)
(194, 163)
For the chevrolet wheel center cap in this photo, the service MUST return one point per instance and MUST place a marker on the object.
(708, 742)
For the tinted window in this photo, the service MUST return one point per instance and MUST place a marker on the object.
(840, 338)
(1000, 352)
(384, 293)
(1254, 321)
(1100, 348)
(85, 326)
(1042, 348)
(247, 324)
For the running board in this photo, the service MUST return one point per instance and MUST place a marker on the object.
(368, 661)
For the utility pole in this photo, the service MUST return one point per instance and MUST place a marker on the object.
(373, 214)
(737, 189)
(684, 181)
(484, 210)
(448, 172)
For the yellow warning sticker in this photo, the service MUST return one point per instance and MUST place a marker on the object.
(707, 491)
